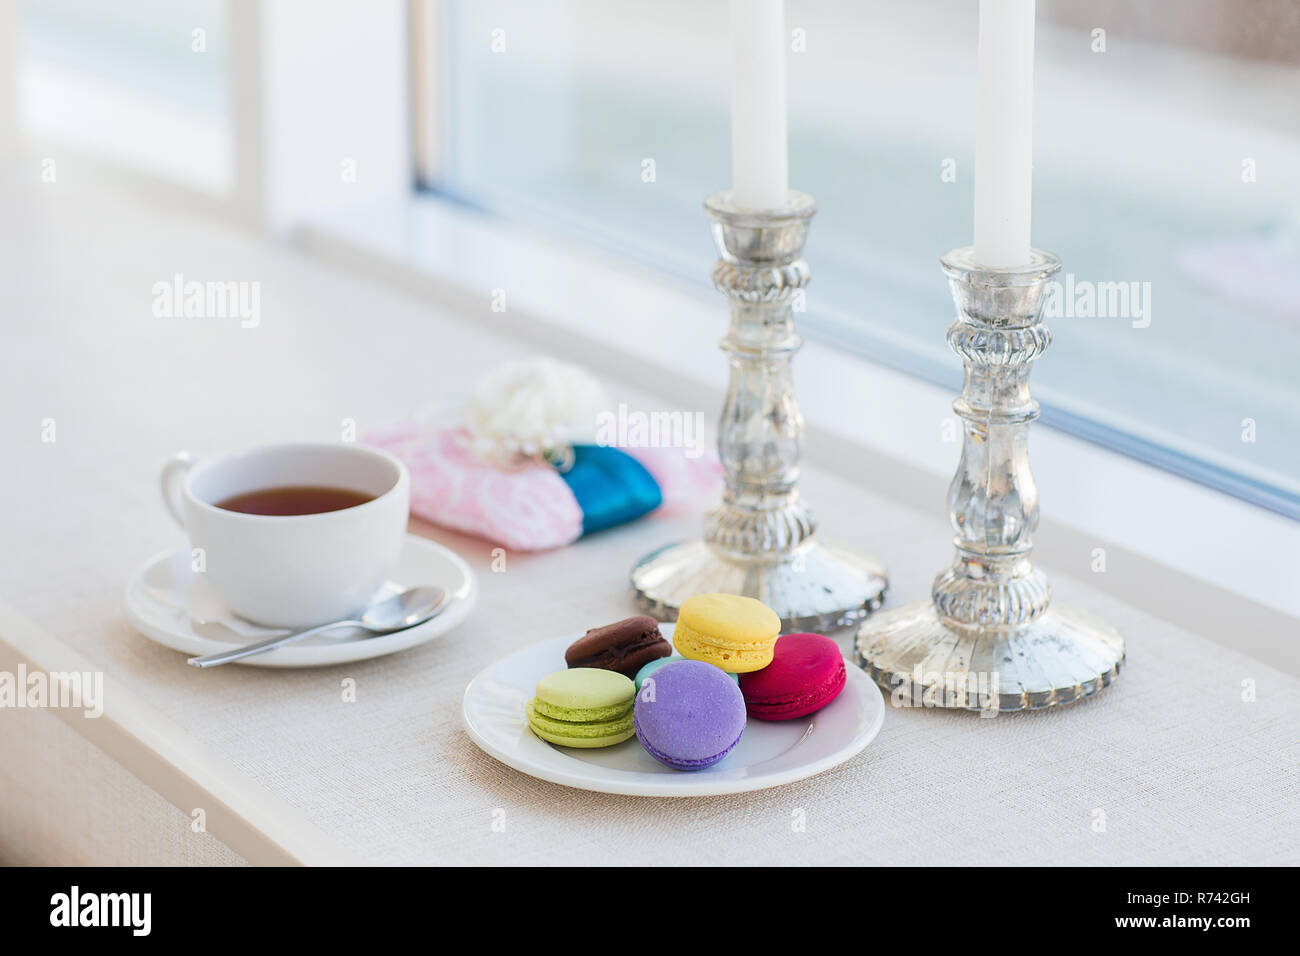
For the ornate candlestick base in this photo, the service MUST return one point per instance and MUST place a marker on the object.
(825, 589)
(762, 541)
(1062, 657)
(990, 638)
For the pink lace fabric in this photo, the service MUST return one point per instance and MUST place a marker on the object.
(526, 507)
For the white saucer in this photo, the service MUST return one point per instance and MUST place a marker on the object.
(770, 753)
(166, 602)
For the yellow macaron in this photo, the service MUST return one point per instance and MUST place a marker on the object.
(737, 634)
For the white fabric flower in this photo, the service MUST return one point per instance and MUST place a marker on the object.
(535, 408)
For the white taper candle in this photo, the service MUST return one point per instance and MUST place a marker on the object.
(1004, 104)
(759, 175)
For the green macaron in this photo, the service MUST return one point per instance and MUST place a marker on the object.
(582, 707)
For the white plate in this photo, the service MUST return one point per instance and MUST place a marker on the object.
(166, 601)
(770, 753)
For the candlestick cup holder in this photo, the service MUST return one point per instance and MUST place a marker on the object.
(762, 541)
(990, 637)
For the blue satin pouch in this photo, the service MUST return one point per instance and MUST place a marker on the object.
(611, 486)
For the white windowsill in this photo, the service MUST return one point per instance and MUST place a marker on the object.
(1174, 547)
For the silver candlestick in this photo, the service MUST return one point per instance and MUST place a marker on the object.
(990, 638)
(762, 541)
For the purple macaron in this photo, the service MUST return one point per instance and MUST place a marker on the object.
(689, 715)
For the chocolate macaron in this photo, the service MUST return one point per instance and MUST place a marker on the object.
(624, 646)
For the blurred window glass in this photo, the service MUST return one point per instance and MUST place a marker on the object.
(140, 82)
(1166, 143)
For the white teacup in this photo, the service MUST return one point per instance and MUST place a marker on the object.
(294, 570)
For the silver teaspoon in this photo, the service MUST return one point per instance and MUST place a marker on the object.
(404, 609)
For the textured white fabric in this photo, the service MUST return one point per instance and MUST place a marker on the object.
(63, 802)
(1182, 768)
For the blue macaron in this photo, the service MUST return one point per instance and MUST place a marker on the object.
(653, 666)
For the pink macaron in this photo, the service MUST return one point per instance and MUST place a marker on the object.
(806, 674)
